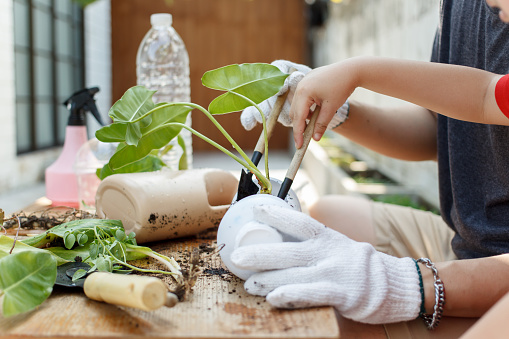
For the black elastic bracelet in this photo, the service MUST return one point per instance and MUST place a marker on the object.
(421, 288)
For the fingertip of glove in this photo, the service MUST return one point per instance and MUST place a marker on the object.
(281, 299)
(237, 257)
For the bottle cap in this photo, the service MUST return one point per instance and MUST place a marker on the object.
(161, 19)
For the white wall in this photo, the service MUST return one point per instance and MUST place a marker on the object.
(8, 128)
(98, 57)
(392, 28)
(19, 172)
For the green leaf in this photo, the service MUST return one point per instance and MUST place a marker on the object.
(165, 114)
(135, 102)
(154, 139)
(150, 163)
(27, 280)
(82, 239)
(133, 134)
(69, 240)
(104, 264)
(70, 255)
(183, 158)
(7, 242)
(94, 251)
(120, 235)
(257, 82)
(43, 239)
(115, 132)
(79, 274)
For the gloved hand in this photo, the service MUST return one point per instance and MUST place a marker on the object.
(250, 116)
(327, 268)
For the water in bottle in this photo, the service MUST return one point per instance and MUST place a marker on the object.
(162, 64)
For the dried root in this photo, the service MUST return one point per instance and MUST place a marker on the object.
(43, 220)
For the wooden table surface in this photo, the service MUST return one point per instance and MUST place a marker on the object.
(218, 307)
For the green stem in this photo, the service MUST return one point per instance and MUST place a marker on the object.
(265, 181)
(265, 135)
(168, 264)
(141, 269)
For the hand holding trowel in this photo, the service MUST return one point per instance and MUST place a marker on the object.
(298, 156)
(246, 185)
(141, 292)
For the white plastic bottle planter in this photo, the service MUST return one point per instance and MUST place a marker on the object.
(236, 230)
(166, 204)
(291, 197)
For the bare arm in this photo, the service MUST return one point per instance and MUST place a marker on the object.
(383, 129)
(471, 286)
(459, 92)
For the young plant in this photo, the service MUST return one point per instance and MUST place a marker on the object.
(142, 127)
(29, 267)
(101, 242)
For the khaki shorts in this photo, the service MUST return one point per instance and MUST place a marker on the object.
(407, 232)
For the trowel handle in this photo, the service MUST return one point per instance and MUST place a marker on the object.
(298, 156)
(271, 123)
(142, 292)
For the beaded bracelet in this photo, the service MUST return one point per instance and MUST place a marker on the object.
(421, 289)
(432, 320)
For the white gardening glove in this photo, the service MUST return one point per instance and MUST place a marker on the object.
(251, 116)
(327, 268)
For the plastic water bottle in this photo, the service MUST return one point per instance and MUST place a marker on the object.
(162, 64)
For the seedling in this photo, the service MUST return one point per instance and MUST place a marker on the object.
(29, 266)
(142, 128)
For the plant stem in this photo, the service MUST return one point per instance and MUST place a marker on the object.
(264, 181)
(166, 263)
(265, 135)
(170, 264)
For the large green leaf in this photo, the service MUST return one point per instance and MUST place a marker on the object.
(257, 82)
(154, 139)
(135, 102)
(6, 245)
(116, 132)
(149, 163)
(27, 280)
(59, 231)
(84, 252)
(167, 114)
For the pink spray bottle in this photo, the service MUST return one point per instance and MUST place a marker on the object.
(61, 182)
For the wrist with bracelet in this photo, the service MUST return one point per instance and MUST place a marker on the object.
(431, 320)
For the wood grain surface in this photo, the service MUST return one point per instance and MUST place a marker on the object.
(218, 307)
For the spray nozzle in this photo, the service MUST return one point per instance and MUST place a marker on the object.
(81, 102)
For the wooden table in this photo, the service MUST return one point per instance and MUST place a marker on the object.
(218, 307)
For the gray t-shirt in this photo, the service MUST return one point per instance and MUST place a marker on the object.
(473, 159)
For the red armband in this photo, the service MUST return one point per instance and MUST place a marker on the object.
(502, 94)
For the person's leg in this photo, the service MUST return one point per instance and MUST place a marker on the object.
(399, 231)
(392, 229)
(349, 215)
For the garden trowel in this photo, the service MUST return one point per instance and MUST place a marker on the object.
(141, 292)
(298, 156)
(246, 185)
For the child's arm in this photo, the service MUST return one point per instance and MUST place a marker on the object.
(456, 91)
